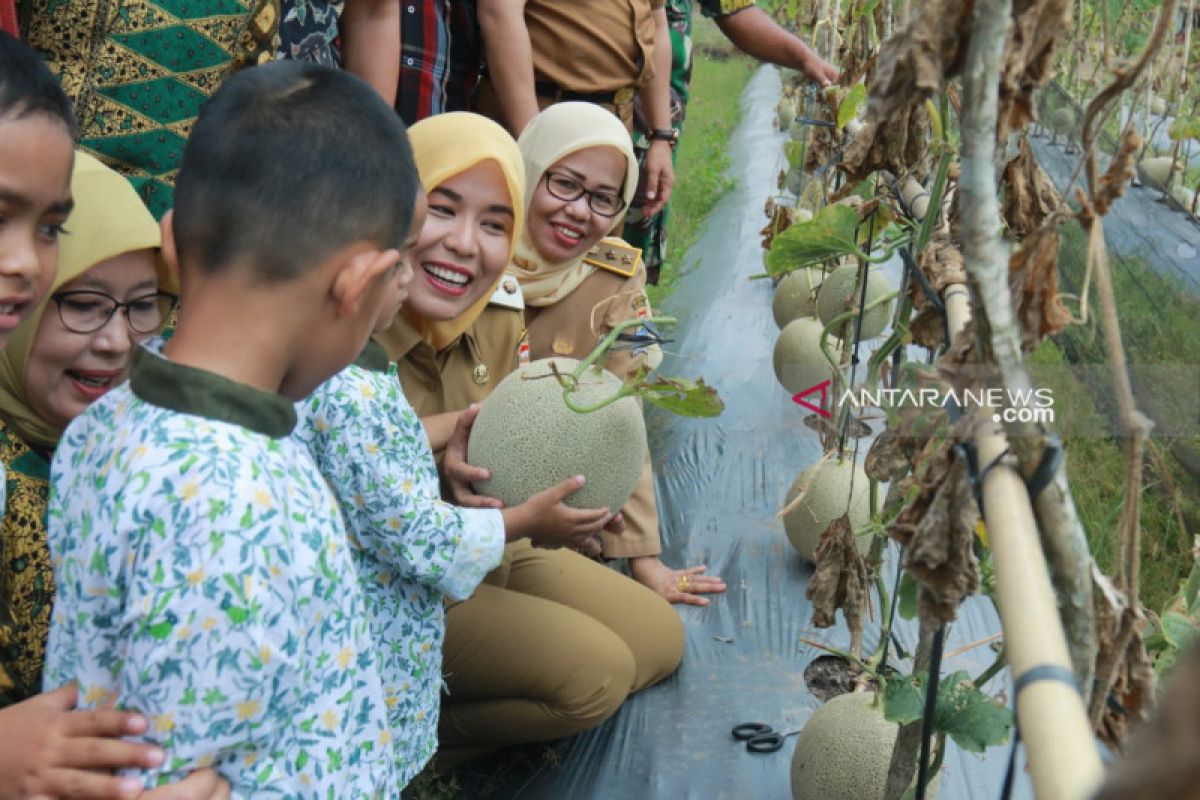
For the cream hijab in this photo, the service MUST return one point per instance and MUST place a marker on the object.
(557, 132)
(444, 146)
(109, 219)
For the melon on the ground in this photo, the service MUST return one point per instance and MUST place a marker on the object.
(828, 497)
(1063, 121)
(844, 751)
(798, 360)
(1185, 197)
(796, 296)
(530, 440)
(1159, 169)
(839, 294)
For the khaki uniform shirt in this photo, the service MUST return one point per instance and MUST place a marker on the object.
(592, 46)
(573, 327)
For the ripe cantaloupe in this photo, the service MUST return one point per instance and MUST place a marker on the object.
(839, 294)
(799, 362)
(785, 112)
(844, 752)
(796, 296)
(1158, 170)
(530, 440)
(827, 498)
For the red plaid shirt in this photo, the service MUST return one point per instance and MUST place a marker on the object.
(439, 57)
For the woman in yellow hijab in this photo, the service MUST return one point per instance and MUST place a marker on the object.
(579, 285)
(69, 352)
(552, 643)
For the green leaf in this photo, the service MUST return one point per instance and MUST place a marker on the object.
(907, 596)
(237, 614)
(968, 716)
(681, 396)
(1178, 629)
(794, 152)
(972, 719)
(161, 630)
(851, 103)
(903, 699)
(1184, 128)
(863, 10)
(830, 234)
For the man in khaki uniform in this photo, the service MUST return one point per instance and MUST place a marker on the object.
(606, 52)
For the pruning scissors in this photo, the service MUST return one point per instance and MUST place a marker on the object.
(760, 737)
(645, 335)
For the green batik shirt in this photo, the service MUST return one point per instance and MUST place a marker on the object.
(204, 579)
(411, 548)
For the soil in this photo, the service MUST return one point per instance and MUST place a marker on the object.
(829, 676)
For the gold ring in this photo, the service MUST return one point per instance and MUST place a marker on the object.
(684, 583)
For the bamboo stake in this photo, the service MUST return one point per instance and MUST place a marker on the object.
(1063, 759)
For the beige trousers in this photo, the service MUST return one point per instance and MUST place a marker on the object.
(551, 653)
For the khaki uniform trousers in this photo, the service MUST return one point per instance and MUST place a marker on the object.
(487, 102)
(551, 652)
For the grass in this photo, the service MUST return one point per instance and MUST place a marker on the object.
(718, 75)
(1160, 323)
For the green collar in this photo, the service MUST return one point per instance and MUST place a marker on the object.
(373, 357)
(188, 390)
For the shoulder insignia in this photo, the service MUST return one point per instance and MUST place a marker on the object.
(614, 255)
(508, 294)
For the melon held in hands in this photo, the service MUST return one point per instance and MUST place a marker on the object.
(530, 440)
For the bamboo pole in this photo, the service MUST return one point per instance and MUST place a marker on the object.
(1063, 758)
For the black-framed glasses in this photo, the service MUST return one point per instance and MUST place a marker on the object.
(564, 187)
(87, 311)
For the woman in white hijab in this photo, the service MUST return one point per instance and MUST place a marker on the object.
(581, 174)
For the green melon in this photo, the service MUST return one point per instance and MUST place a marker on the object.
(530, 440)
(1158, 105)
(839, 294)
(1158, 170)
(1063, 121)
(799, 362)
(844, 752)
(1185, 197)
(796, 296)
(785, 112)
(827, 498)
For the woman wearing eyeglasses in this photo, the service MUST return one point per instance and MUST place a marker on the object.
(579, 285)
(111, 292)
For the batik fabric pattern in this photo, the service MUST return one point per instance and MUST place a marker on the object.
(26, 579)
(410, 547)
(204, 579)
(138, 71)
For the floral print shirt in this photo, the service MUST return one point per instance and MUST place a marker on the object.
(204, 579)
(410, 547)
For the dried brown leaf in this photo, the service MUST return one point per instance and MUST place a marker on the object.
(840, 580)
(782, 218)
(1038, 27)
(941, 555)
(1029, 195)
(895, 143)
(1033, 280)
(1114, 180)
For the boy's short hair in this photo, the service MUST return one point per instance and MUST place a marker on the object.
(289, 162)
(27, 87)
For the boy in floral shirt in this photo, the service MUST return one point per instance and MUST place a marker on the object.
(201, 560)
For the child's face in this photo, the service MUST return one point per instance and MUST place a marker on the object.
(399, 277)
(69, 370)
(464, 244)
(562, 230)
(36, 157)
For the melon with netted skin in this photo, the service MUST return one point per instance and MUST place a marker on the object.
(845, 750)
(839, 293)
(530, 440)
(799, 362)
(796, 296)
(828, 496)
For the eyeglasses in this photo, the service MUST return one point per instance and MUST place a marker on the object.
(564, 187)
(89, 311)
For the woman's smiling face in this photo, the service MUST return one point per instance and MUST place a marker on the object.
(464, 244)
(563, 230)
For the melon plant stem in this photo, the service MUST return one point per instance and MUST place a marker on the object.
(595, 355)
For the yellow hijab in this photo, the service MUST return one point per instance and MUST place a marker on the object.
(444, 146)
(109, 219)
(557, 132)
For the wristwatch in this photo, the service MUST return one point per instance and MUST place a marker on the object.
(669, 135)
